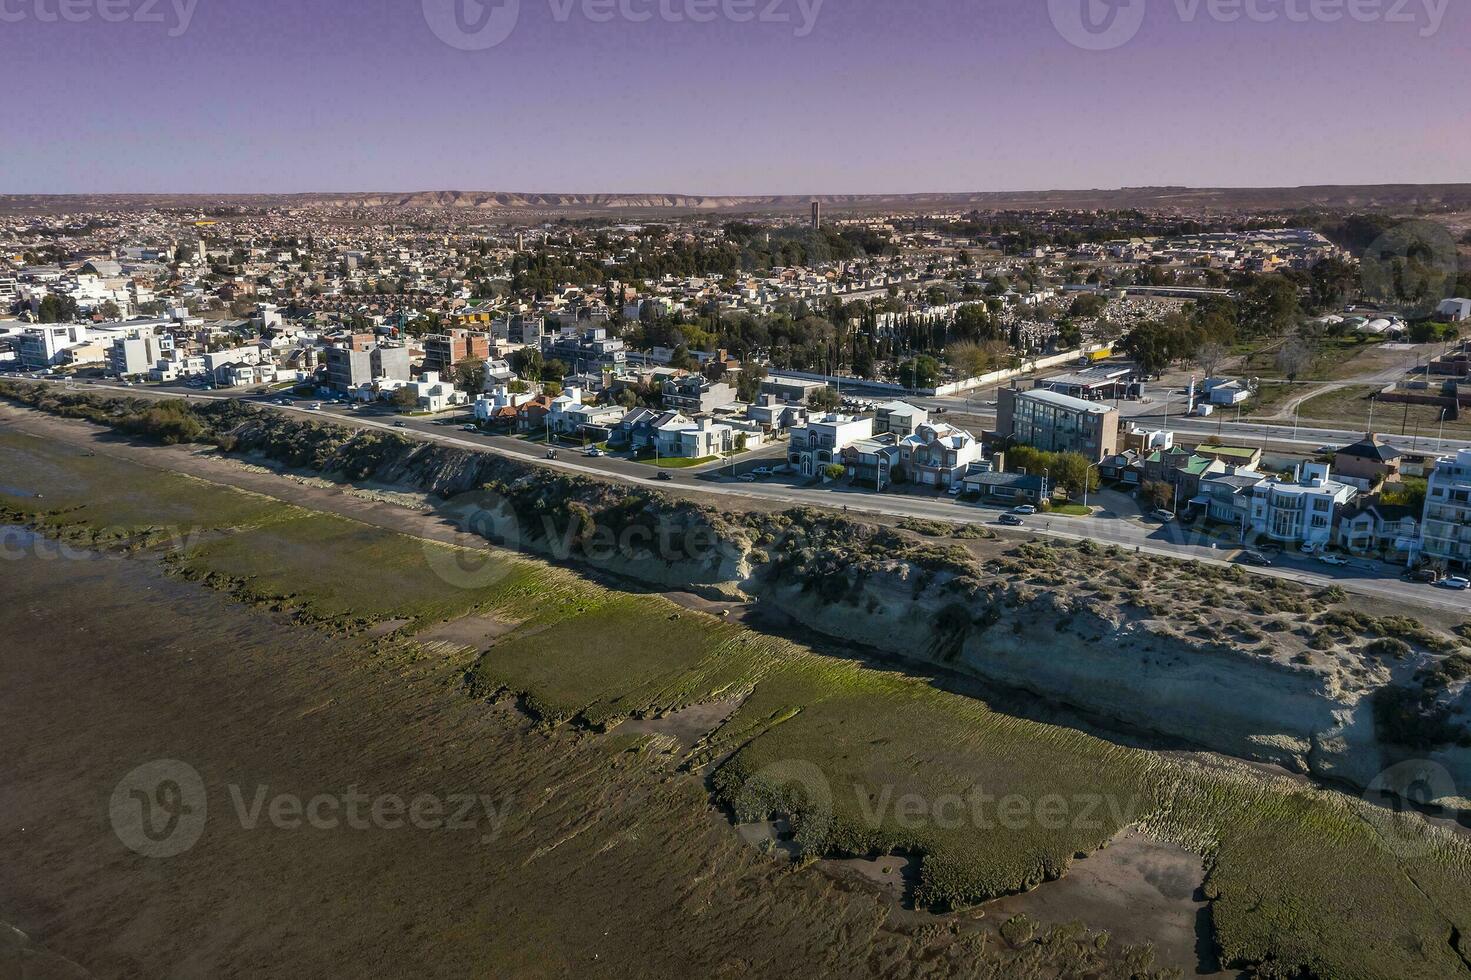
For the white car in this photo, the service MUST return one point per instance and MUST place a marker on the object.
(1332, 560)
(1024, 509)
(593, 453)
(1455, 582)
(763, 471)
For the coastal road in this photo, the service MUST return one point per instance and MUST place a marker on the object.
(1117, 523)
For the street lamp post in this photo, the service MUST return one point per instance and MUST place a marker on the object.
(1086, 481)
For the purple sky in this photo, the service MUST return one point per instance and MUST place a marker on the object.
(880, 96)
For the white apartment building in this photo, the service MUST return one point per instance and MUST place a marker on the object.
(1446, 527)
(46, 346)
(138, 354)
(822, 440)
(1303, 511)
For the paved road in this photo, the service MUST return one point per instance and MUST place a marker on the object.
(1118, 523)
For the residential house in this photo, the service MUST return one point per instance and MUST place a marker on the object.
(775, 416)
(639, 429)
(1011, 488)
(1388, 530)
(899, 418)
(531, 416)
(938, 454)
(821, 441)
(694, 394)
(1124, 468)
(434, 394)
(872, 462)
(1303, 511)
(1226, 498)
(1368, 460)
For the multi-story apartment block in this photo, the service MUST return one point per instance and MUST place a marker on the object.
(46, 346)
(135, 355)
(1057, 423)
(349, 368)
(444, 351)
(1446, 527)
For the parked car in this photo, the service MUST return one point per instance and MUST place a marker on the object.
(1011, 520)
(746, 478)
(1427, 575)
(1164, 516)
(956, 489)
(1309, 548)
(594, 452)
(1256, 558)
(1025, 509)
(1328, 559)
(470, 427)
(1455, 582)
(763, 471)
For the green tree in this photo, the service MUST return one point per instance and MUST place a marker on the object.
(470, 374)
(825, 399)
(919, 372)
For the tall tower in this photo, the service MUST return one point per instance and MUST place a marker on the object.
(816, 215)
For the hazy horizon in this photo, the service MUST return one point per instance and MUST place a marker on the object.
(801, 97)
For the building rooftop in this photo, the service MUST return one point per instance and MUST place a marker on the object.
(1065, 401)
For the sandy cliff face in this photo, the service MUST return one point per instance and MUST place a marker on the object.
(1129, 669)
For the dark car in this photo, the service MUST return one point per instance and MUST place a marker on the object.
(1256, 558)
(1010, 520)
(665, 475)
(1420, 575)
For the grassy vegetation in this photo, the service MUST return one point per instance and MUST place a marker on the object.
(106, 500)
(1338, 359)
(676, 462)
(1349, 407)
(1302, 880)
(1071, 510)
